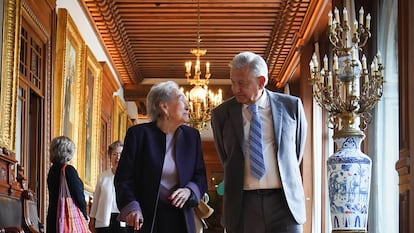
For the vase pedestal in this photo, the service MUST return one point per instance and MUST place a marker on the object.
(349, 176)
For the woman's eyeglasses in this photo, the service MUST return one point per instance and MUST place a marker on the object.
(116, 154)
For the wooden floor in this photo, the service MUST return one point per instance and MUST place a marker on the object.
(213, 231)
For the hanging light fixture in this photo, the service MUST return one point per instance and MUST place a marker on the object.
(201, 100)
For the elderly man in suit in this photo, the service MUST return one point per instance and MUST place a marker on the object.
(261, 152)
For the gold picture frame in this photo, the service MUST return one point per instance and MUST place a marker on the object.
(9, 71)
(119, 123)
(91, 100)
(69, 70)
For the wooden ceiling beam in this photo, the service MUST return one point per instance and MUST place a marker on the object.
(149, 40)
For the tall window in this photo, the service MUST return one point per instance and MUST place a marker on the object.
(384, 141)
(30, 105)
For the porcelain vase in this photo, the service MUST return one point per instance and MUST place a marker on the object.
(349, 176)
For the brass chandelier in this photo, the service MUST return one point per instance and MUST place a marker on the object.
(200, 98)
(348, 89)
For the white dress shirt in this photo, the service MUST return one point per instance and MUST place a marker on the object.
(104, 202)
(271, 178)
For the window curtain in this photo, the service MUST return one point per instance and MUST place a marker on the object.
(383, 131)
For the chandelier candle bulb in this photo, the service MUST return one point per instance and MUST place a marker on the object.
(345, 15)
(364, 63)
(361, 16)
(353, 52)
(197, 66)
(335, 63)
(311, 69)
(188, 67)
(330, 19)
(329, 81)
(336, 12)
(325, 62)
(315, 60)
(355, 28)
(368, 22)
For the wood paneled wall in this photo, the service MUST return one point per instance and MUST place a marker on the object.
(213, 165)
(109, 86)
(406, 117)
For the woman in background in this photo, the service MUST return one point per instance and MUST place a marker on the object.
(104, 210)
(62, 150)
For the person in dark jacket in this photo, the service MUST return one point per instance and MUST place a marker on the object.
(62, 150)
(161, 174)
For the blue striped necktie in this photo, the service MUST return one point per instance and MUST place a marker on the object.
(257, 166)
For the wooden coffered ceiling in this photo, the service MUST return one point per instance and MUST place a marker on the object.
(149, 41)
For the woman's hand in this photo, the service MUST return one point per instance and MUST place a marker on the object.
(92, 225)
(179, 197)
(135, 219)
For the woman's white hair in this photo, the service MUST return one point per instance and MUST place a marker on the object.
(161, 92)
(62, 150)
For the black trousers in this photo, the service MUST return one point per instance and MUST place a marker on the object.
(169, 219)
(266, 211)
(114, 226)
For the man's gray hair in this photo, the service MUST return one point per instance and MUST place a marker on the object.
(254, 63)
(62, 150)
(161, 92)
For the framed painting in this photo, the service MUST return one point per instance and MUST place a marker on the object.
(91, 100)
(10, 33)
(119, 120)
(69, 70)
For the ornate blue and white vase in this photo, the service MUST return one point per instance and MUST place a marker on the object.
(349, 176)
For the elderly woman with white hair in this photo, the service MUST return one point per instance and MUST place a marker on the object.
(161, 174)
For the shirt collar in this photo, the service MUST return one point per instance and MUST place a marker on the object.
(262, 102)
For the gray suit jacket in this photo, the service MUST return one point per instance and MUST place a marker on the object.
(290, 125)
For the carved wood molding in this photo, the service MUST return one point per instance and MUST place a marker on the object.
(118, 45)
(291, 30)
(8, 79)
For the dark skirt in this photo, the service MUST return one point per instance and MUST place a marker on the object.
(114, 226)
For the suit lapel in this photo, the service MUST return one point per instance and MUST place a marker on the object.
(277, 110)
(236, 118)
